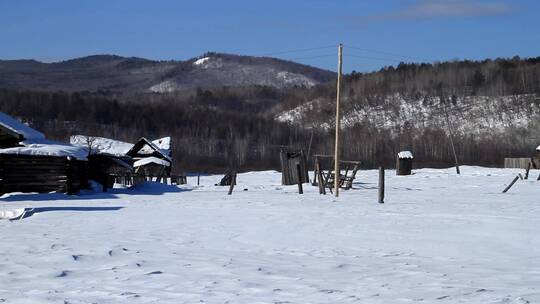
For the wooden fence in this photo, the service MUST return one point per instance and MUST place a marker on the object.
(520, 163)
(135, 179)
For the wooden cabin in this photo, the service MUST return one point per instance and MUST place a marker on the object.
(31, 163)
(151, 158)
(404, 163)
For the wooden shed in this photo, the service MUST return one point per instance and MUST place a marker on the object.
(404, 163)
(290, 160)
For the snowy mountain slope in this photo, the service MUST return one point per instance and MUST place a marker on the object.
(116, 73)
(439, 238)
(468, 115)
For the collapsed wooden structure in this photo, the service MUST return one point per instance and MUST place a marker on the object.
(324, 174)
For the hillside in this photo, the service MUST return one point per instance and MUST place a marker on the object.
(121, 74)
(493, 107)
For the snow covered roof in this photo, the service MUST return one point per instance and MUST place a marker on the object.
(164, 144)
(151, 160)
(101, 145)
(146, 147)
(405, 154)
(538, 148)
(104, 145)
(48, 148)
(17, 127)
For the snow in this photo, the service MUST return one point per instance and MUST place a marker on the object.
(538, 148)
(18, 127)
(48, 148)
(149, 160)
(164, 144)
(439, 238)
(405, 154)
(11, 214)
(101, 144)
(201, 61)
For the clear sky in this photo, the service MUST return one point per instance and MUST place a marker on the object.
(383, 32)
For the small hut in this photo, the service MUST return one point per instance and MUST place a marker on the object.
(290, 160)
(404, 163)
(31, 163)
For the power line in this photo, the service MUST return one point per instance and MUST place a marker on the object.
(372, 58)
(298, 50)
(315, 56)
(390, 54)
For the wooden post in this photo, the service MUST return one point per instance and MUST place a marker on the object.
(198, 178)
(299, 172)
(233, 181)
(322, 189)
(338, 121)
(443, 100)
(511, 184)
(528, 169)
(381, 185)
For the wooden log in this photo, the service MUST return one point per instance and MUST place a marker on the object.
(299, 171)
(233, 182)
(381, 185)
(511, 184)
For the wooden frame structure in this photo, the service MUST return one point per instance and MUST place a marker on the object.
(327, 176)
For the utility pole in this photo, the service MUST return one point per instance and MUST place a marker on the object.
(443, 100)
(338, 121)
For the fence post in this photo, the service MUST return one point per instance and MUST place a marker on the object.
(511, 184)
(381, 185)
(233, 181)
(198, 178)
(299, 175)
(528, 169)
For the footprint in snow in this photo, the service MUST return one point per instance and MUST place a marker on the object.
(76, 257)
(154, 272)
(62, 274)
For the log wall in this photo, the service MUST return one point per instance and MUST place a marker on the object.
(31, 173)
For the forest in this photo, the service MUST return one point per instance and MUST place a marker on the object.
(220, 128)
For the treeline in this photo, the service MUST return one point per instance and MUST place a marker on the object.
(205, 137)
(498, 77)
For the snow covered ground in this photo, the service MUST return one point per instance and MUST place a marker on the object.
(439, 238)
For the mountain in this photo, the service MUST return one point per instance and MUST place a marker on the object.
(121, 74)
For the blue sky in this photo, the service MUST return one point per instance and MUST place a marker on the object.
(382, 32)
